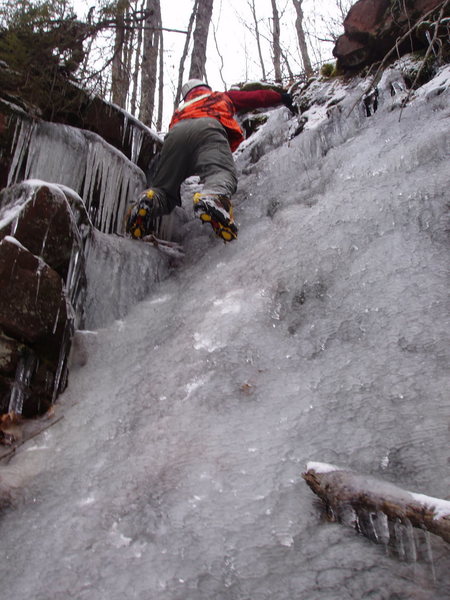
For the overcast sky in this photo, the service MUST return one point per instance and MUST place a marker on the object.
(236, 42)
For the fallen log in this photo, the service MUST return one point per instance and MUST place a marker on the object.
(344, 491)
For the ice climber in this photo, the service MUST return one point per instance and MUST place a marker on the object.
(202, 135)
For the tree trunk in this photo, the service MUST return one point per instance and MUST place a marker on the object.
(128, 53)
(119, 72)
(288, 67)
(184, 54)
(202, 22)
(137, 66)
(344, 491)
(221, 58)
(276, 42)
(258, 40)
(302, 38)
(150, 61)
(161, 83)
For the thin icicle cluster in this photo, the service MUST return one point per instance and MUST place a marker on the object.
(81, 160)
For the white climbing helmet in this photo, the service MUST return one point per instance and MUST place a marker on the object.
(190, 85)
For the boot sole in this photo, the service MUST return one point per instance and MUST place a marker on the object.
(226, 233)
(209, 214)
(137, 229)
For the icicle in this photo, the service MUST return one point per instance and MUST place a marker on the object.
(399, 545)
(24, 372)
(22, 139)
(430, 553)
(61, 371)
(411, 546)
(57, 154)
(124, 128)
(39, 270)
(44, 240)
(73, 284)
(137, 140)
(55, 324)
(114, 179)
(381, 527)
(73, 271)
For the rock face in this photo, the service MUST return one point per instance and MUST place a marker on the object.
(372, 28)
(42, 281)
(97, 158)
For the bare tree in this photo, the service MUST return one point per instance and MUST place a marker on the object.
(220, 57)
(185, 53)
(202, 22)
(137, 67)
(123, 52)
(302, 38)
(150, 61)
(288, 67)
(251, 4)
(334, 21)
(161, 82)
(343, 7)
(276, 41)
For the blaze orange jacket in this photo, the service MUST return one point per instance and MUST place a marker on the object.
(203, 102)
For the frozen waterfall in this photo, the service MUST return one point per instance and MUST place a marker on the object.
(319, 335)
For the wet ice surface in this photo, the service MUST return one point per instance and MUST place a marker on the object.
(319, 335)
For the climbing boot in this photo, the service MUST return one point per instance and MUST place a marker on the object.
(216, 210)
(141, 219)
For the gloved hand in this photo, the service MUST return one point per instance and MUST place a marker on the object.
(288, 101)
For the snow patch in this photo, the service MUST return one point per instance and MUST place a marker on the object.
(320, 467)
(440, 508)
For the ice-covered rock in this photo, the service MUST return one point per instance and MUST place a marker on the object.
(73, 105)
(35, 312)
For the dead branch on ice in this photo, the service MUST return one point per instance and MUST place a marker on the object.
(341, 490)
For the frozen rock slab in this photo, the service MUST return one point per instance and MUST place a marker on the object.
(36, 322)
(343, 490)
(51, 222)
(32, 305)
(38, 215)
(43, 231)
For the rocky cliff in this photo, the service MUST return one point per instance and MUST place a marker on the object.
(64, 182)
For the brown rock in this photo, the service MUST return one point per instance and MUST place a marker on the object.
(36, 328)
(373, 27)
(42, 220)
(364, 17)
(350, 52)
(45, 224)
(10, 352)
(31, 384)
(33, 308)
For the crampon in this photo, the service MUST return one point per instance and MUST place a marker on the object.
(218, 212)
